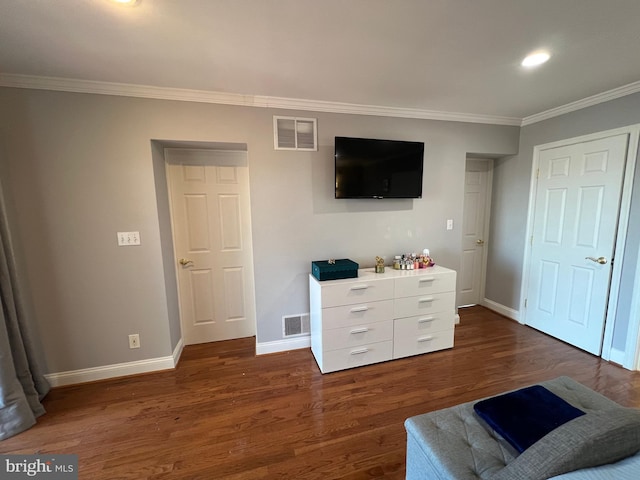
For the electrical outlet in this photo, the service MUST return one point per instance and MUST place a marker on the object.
(134, 341)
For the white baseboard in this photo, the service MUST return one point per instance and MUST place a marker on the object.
(177, 352)
(617, 356)
(283, 345)
(84, 375)
(501, 309)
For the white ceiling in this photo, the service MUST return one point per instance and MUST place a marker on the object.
(459, 56)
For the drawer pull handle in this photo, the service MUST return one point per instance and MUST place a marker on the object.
(359, 352)
(426, 319)
(359, 287)
(359, 309)
(359, 330)
(425, 299)
(427, 279)
(425, 339)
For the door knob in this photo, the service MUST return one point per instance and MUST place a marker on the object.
(184, 262)
(479, 242)
(600, 260)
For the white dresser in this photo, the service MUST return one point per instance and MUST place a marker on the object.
(381, 316)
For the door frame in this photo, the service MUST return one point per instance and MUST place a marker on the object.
(201, 155)
(487, 222)
(630, 360)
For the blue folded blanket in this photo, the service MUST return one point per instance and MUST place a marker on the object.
(525, 416)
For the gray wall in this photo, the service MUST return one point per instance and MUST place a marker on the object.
(80, 167)
(512, 177)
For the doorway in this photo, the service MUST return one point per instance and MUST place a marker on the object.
(211, 225)
(475, 230)
(576, 230)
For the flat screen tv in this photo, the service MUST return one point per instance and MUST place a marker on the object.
(370, 168)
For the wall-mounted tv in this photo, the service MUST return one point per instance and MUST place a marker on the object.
(371, 168)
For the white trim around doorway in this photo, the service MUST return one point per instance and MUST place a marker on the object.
(631, 355)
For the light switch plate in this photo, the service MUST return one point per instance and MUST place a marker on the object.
(450, 224)
(126, 239)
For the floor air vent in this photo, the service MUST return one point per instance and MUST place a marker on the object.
(295, 325)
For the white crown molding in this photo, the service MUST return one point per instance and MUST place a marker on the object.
(202, 96)
(381, 111)
(584, 103)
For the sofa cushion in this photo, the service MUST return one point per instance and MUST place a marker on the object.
(525, 416)
(455, 445)
(451, 444)
(625, 469)
(587, 441)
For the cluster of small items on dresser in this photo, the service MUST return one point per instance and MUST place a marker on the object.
(411, 261)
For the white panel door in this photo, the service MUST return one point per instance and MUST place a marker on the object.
(574, 231)
(471, 273)
(212, 234)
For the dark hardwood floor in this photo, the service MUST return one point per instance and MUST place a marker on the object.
(224, 413)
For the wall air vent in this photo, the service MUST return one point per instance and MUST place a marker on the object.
(295, 325)
(293, 133)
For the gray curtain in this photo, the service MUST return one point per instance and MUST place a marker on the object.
(22, 384)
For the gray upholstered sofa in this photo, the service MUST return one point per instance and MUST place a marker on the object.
(454, 443)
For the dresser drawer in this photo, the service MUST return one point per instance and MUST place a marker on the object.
(423, 304)
(356, 356)
(412, 327)
(405, 346)
(377, 317)
(357, 335)
(358, 313)
(425, 284)
(350, 292)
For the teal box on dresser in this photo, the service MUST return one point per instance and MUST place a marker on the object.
(334, 269)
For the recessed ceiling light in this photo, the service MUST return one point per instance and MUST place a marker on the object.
(126, 2)
(535, 59)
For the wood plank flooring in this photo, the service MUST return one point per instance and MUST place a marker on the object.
(224, 413)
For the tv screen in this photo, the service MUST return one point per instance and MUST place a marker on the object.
(369, 168)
